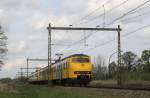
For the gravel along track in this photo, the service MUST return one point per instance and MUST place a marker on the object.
(107, 93)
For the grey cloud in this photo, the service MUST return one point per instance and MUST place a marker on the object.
(74, 7)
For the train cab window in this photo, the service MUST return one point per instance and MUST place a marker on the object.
(81, 60)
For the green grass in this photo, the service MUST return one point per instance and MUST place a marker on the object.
(39, 92)
(137, 76)
(32, 91)
(8, 95)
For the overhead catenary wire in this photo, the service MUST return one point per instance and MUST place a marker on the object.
(92, 12)
(116, 19)
(122, 16)
(96, 31)
(114, 39)
(103, 24)
(140, 9)
(125, 35)
(129, 12)
(110, 10)
(134, 17)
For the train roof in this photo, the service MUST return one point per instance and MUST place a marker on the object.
(74, 56)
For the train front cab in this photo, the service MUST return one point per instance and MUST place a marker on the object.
(80, 70)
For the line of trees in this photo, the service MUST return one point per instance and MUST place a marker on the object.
(131, 63)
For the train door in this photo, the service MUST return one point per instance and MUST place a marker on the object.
(61, 71)
(67, 68)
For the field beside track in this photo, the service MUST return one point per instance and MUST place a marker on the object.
(36, 91)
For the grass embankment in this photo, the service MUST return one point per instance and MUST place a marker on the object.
(31, 91)
(129, 79)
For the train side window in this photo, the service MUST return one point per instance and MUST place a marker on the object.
(64, 66)
(59, 67)
(56, 68)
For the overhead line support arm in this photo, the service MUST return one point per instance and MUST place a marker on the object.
(80, 28)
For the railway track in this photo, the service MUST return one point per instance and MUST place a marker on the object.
(122, 87)
(117, 87)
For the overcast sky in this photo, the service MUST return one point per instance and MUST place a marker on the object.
(25, 22)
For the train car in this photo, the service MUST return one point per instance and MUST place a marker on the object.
(74, 69)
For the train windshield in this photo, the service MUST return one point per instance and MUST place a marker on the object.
(81, 60)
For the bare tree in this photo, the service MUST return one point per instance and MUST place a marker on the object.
(100, 69)
(3, 47)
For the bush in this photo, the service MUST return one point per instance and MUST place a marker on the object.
(145, 76)
(138, 76)
(6, 80)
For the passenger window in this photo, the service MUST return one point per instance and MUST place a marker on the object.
(64, 66)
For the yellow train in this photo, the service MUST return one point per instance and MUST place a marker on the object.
(74, 69)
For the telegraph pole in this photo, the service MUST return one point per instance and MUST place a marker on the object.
(49, 52)
(27, 68)
(21, 73)
(119, 59)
